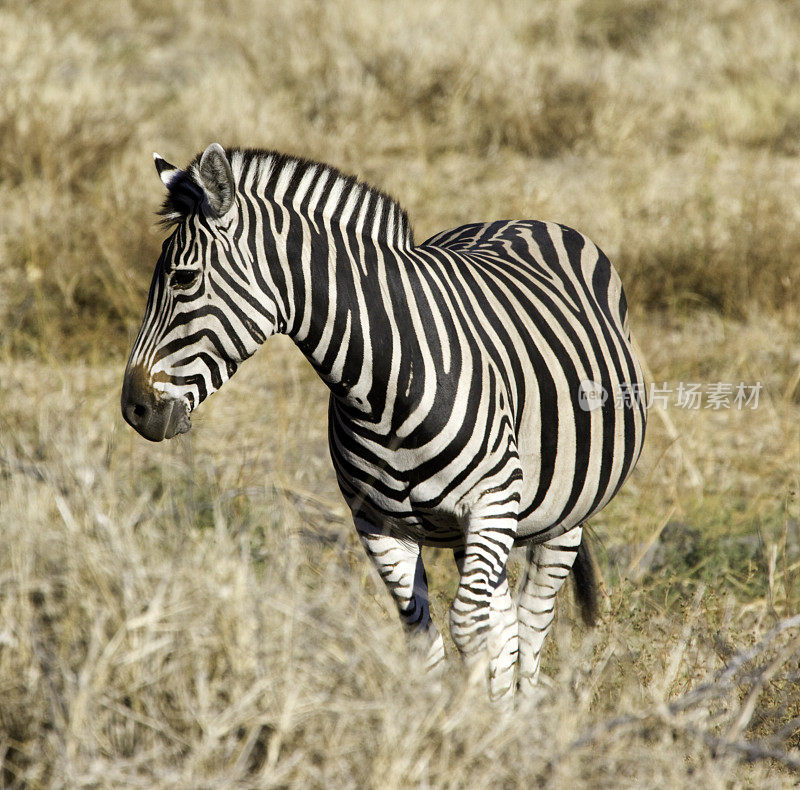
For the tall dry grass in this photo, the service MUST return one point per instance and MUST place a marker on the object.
(198, 614)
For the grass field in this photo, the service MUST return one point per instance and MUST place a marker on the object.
(198, 613)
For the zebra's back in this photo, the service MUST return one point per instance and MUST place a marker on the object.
(566, 352)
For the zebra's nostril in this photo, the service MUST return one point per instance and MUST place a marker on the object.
(139, 410)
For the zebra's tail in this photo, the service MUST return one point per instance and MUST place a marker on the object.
(587, 591)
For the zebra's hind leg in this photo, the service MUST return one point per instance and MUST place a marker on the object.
(399, 563)
(549, 563)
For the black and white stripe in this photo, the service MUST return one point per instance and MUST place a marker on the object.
(455, 368)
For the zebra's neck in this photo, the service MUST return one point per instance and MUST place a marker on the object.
(349, 319)
(335, 248)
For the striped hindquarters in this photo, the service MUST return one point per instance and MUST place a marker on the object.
(562, 342)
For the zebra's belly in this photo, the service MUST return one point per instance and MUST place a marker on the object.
(438, 527)
(441, 526)
(443, 529)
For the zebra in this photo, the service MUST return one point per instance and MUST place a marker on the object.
(484, 390)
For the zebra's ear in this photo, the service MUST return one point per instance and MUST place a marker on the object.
(167, 171)
(216, 178)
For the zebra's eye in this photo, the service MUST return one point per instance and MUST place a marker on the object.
(184, 278)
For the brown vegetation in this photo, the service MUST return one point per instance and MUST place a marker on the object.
(198, 614)
(668, 133)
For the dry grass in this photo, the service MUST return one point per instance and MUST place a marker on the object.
(198, 614)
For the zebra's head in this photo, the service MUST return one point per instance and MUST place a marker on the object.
(200, 321)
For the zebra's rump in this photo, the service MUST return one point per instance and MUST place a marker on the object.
(579, 416)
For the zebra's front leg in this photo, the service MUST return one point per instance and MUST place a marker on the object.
(483, 618)
(549, 565)
(399, 563)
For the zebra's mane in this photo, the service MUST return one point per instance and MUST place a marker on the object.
(269, 169)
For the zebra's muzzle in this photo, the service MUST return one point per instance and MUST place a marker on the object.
(154, 416)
